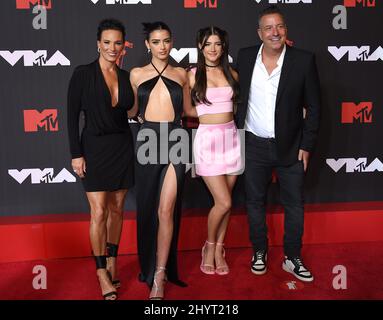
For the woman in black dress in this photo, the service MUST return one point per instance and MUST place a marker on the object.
(103, 156)
(161, 92)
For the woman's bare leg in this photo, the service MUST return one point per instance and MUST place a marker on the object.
(219, 257)
(98, 234)
(217, 186)
(115, 205)
(165, 229)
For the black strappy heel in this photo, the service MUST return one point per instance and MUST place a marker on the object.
(112, 251)
(101, 264)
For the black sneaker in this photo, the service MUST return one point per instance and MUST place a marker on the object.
(258, 262)
(296, 267)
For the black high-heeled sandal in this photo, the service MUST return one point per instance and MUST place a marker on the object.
(112, 251)
(101, 264)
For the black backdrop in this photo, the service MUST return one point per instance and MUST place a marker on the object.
(35, 171)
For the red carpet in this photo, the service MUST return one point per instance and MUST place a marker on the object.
(29, 238)
(75, 279)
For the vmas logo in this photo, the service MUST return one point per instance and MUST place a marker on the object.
(190, 53)
(32, 59)
(361, 3)
(357, 113)
(26, 4)
(45, 120)
(124, 1)
(38, 176)
(285, 1)
(190, 4)
(353, 53)
(352, 165)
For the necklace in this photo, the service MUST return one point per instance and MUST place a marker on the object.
(208, 65)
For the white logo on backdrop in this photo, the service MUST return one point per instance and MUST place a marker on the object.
(38, 58)
(191, 53)
(355, 165)
(354, 53)
(41, 176)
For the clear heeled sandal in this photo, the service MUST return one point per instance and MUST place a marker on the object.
(203, 264)
(157, 292)
(224, 268)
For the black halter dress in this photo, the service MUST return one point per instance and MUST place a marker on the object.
(150, 177)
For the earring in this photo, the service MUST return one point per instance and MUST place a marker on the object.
(149, 51)
(98, 50)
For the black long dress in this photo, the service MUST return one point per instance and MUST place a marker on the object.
(106, 141)
(149, 181)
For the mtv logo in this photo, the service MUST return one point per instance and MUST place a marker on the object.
(38, 58)
(352, 112)
(213, 4)
(355, 165)
(363, 3)
(41, 176)
(26, 4)
(356, 53)
(45, 120)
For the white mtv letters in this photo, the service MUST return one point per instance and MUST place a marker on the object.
(355, 165)
(41, 176)
(179, 55)
(192, 53)
(355, 53)
(38, 58)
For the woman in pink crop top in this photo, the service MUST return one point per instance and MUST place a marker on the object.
(216, 147)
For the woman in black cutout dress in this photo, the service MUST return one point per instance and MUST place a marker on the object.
(103, 157)
(162, 96)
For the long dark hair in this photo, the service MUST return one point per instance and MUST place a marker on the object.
(198, 92)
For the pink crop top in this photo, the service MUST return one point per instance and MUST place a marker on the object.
(220, 98)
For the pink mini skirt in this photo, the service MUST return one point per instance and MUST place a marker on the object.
(217, 150)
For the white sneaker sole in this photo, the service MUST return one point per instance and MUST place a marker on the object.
(284, 267)
(258, 273)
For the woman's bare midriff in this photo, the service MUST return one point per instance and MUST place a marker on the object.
(217, 118)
